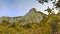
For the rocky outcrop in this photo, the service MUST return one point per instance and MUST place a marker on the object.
(32, 16)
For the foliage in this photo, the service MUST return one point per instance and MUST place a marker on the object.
(49, 10)
(56, 3)
(49, 25)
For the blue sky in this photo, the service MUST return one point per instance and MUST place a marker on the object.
(14, 8)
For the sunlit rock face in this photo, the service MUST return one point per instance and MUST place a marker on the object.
(32, 16)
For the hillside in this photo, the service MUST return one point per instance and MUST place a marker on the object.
(33, 22)
(30, 17)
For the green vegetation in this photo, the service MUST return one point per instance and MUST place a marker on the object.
(49, 25)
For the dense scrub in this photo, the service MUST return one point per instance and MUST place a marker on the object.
(49, 25)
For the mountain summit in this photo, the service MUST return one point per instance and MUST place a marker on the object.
(33, 16)
(31, 12)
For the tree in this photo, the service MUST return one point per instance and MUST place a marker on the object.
(56, 3)
(43, 1)
(49, 10)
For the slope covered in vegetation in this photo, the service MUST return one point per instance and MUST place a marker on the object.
(49, 24)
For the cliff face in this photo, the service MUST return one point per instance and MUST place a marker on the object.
(32, 16)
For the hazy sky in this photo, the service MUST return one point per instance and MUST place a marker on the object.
(19, 7)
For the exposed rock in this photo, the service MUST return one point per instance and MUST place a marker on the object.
(32, 16)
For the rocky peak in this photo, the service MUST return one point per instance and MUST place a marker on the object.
(33, 16)
(31, 12)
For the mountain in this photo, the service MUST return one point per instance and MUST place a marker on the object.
(33, 22)
(33, 16)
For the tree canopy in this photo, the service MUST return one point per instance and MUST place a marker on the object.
(56, 3)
